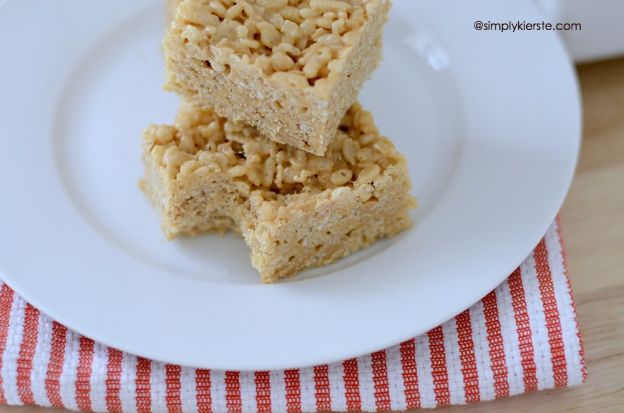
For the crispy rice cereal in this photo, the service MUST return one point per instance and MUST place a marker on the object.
(289, 67)
(294, 209)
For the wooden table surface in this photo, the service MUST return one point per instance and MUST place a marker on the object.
(593, 227)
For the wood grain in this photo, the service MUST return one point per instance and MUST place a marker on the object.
(593, 227)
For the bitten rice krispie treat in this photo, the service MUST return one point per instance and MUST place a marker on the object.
(289, 67)
(295, 210)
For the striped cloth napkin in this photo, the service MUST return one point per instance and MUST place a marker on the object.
(522, 336)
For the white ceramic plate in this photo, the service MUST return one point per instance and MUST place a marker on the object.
(489, 122)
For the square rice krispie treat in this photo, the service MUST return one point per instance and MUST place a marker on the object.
(291, 68)
(295, 210)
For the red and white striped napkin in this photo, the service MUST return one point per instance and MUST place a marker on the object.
(521, 337)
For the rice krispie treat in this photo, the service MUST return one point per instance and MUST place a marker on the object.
(295, 210)
(289, 67)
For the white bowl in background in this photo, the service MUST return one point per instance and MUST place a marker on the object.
(602, 33)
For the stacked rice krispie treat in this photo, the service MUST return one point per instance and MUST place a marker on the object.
(270, 141)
